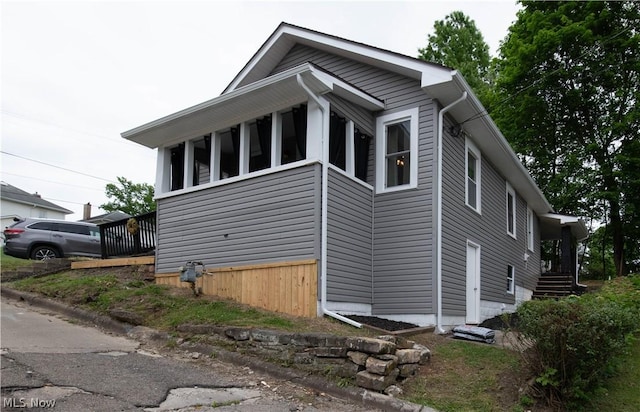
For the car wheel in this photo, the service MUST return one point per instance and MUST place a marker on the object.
(44, 253)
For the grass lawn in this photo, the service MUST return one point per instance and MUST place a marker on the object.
(10, 262)
(461, 376)
(622, 391)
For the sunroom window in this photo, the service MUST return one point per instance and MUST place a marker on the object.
(176, 175)
(260, 144)
(337, 141)
(361, 143)
(229, 141)
(294, 135)
(202, 160)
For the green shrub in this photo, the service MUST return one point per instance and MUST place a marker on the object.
(573, 342)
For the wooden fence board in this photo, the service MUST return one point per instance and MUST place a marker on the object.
(286, 287)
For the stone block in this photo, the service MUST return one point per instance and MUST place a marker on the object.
(267, 337)
(425, 353)
(126, 316)
(404, 343)
(345, 370)
(238, 334)
(370, 345)
(358, 358)
(313, 340)
(393, 390)
(408, 356)
(408, 369)
(328, 352)
(375, 382)
(303, 358)
(380, 366)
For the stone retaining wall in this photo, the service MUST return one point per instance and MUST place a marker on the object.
(374, 363)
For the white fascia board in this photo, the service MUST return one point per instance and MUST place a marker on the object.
(218, 100)
(579, 228)
(495, 147)
(285, 36)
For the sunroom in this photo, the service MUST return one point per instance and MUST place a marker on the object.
(277, 122)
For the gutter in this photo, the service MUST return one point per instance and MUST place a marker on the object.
(324, 214)
(439, 328)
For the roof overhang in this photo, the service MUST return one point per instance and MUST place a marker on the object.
(552, 223)
(273, 93)
(486, 135)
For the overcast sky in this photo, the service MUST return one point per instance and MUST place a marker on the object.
(77, 74)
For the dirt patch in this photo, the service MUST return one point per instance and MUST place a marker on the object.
(380, 323)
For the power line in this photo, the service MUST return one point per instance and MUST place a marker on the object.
(31, 119)
(52, 181)
(57, 167)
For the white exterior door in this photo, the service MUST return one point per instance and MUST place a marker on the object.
(473, 283)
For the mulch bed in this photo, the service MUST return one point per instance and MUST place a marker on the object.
(385, 324)
(502, 322)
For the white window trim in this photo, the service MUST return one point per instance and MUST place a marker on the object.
(381, 172)
(471, 147)
(511, 192)
(530, 230)
(511, 273)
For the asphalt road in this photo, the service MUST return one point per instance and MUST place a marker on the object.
(51, 364)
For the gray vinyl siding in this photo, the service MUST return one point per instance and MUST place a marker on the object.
(488, 229)
(404, 234)
(349, 240)
(275, 217)
(361, 117)
(403, 221)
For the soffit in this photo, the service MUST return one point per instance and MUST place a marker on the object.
(267, 95)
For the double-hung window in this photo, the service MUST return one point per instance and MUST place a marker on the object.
(530, 242)
(472, 177)
(397, 151)
(511, 210)
(511, 279)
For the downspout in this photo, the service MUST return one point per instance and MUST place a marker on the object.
(324, 214)
(439, 328)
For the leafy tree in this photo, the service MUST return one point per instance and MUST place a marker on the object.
(457, 43)
(128, 197)
(568, 85)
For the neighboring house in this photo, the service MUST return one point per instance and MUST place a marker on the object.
(378, 176)
(17, 203)
(107, 218)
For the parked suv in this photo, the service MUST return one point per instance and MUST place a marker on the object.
(43, 239)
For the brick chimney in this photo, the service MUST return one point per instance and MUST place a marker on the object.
(86, 211)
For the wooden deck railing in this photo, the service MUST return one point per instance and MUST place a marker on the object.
(129, 237)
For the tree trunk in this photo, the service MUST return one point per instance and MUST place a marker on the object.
(617, 237)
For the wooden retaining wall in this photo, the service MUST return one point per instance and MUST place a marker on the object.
(286, 287)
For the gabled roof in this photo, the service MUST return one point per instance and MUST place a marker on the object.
(13, 194)
(254, 92)
(440, 82)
